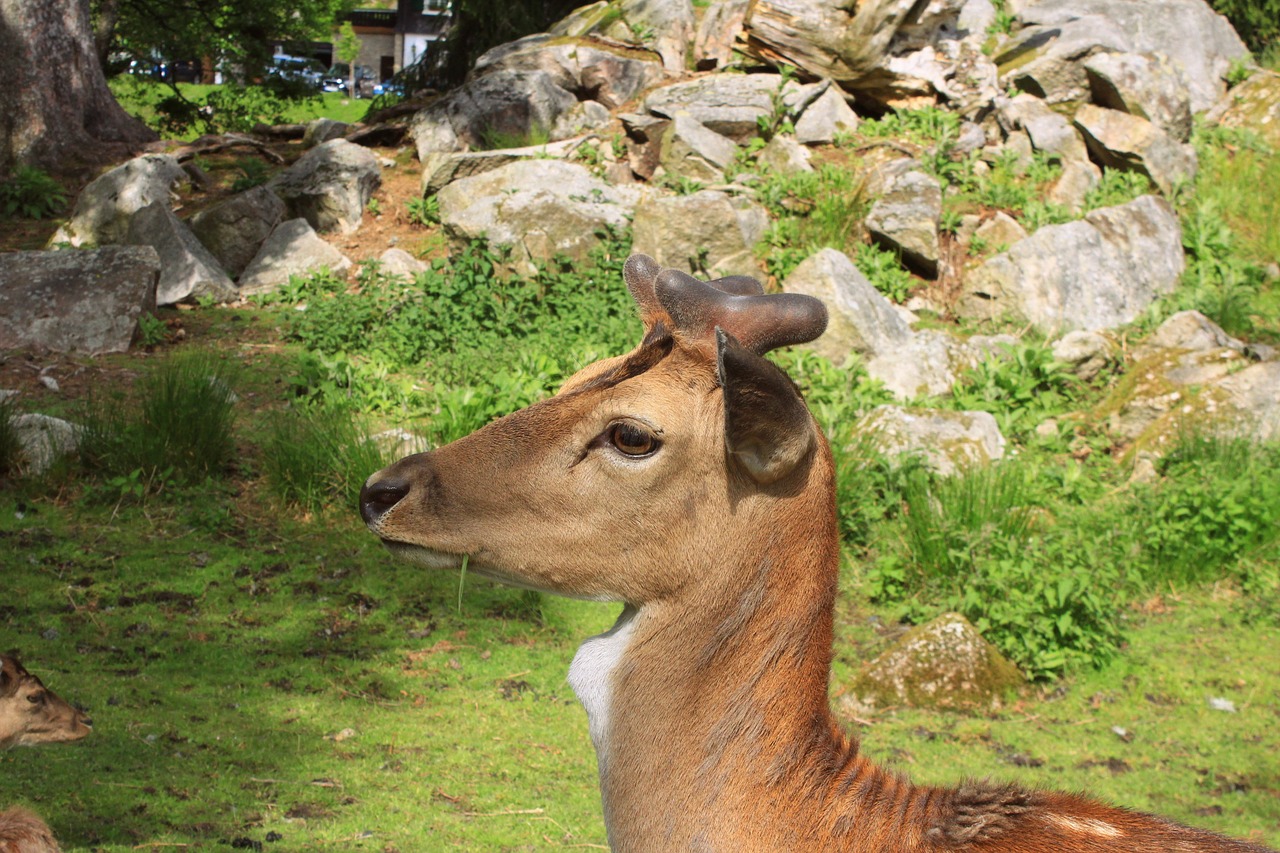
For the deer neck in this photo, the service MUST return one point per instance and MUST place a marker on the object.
(707, 702)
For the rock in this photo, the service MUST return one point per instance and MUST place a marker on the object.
(665, 26)
(785, 155)
(502, 109)
(540, 208)
(592, 69)
(942, 664)
(860, 320)
(1045, 59)
(729, 104)
(707, 232)
(1254, 105)
(1149, 87)
(233, 230)
(323, 130)
(1123, 141)
(1084, 353)
(1122, 258)
(1048, 131)
(1072, 187)
(825, 117)
(644, 142)
(949, 442)
(1000, 231)
(104, 208)
(886, 52)
(1190, 331)
(927, 365)
(1197, 40)
(42, 440)
(83, 301)
(293, 248)
(188, 271)
(692, 150)
(330, 185)
(1161, 383)
(400, 263)
(441, 169)
(905, 219)
(720, 26)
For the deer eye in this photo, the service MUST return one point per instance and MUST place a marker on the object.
(632, 440)
(36, 698)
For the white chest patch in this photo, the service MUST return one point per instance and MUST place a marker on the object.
(591, 677)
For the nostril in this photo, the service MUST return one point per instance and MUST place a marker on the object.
(87, 721)
(377, 498)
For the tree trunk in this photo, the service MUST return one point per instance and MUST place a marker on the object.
(55, 108)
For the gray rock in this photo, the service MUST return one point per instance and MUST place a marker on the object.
(1121, 259)
(720, 26)
(188, 271)
(1194, 37)
(293, 248)
(948, 442)
(1254, 105)
(1000, 231)
(400, 263)
(1123, 141)
(442, 168)
(905, 219)
(1072, 187)
(540, 208)
(861, 320)
(1048, 131)
(925, 366)
(1084, 353)
(323, 130)
(729, 104)
(825, 117)
(502, 109)
(104, 208)
(785, 155)
(942, 664)
(233, 230)
(84, 301)
(1191, 331)
(42, 440)
(1045, 59)
(707, 232)
(1150, 87)
(692, 150)
(593, 69)
(330, 185)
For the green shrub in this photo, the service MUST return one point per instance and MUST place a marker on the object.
(1021, 388)
(1257, 21)
(884, 270)
(315, 455)
(180, 425)
(31, 194)
(811, 211)
(424, 211)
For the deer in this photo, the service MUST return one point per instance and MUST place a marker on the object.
(32, 714)
(688, 481)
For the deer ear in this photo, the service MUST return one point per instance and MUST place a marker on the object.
(767, 427)
(8, 675)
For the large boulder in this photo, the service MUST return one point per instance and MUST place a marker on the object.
(330, 185)
(707, 232)
(690, 149)
(719, 28)
(539, 208)
(188, 271)
(945, 663)
(1196, 39)
(1147, 86)
(1046, 60)
(1121, 258)
(591, 69)
(502, 109)
(1254, 105)
(884, 51)
(233, 230)
(949, 442)
(1125, 141)
(42, 440)
(442, 168)
(85, 301)
(293, 248)
(664, 26)
(104, 208)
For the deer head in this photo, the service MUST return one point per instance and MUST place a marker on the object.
(591, 492)
(31, 713)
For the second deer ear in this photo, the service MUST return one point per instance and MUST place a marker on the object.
(768, 430)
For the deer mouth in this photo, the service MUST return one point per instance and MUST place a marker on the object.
(429, 557)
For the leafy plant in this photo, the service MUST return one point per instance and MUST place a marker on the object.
(811, 210)
(1021, 388)
(152, 331)
(424, 211)
(253, 172)
(777, 119)
(884, 270)
(31, 194)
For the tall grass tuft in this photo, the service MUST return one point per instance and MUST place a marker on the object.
(319, 454)
(178, 424)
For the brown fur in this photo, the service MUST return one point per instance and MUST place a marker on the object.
(32, 714)
(23, 832)
(719, 735)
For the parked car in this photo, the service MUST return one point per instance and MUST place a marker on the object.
(338, 78)
(297, 69)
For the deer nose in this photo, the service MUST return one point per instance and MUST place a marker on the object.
(376, 498)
